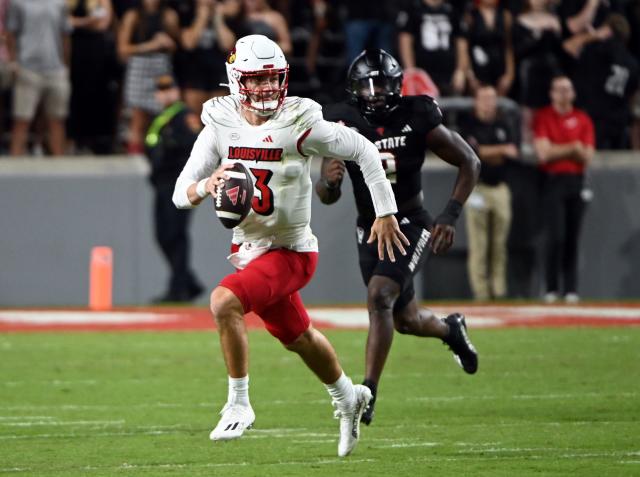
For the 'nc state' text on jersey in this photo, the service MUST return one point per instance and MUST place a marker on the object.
(391, 142)
(255, 153)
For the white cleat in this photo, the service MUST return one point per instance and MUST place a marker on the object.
(572, 298)
(350, 420)
(234, 421)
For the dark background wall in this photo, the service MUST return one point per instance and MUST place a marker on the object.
(54, 211)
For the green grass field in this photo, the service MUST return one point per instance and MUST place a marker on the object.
(544, 402)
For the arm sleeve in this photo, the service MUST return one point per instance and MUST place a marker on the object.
(335, 140)
(201, 163)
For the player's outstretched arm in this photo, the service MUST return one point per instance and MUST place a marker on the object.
(331, 175)
(329, 139)
(451, 148)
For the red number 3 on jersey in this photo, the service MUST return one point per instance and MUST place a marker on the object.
(263, 205)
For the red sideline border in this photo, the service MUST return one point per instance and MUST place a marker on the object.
(185, 319)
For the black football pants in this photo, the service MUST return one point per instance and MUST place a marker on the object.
(562, 216)
(172, 236)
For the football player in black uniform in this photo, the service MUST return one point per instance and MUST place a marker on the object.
(402, 128)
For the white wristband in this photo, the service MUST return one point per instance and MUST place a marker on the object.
(384, 201)
(201, 188)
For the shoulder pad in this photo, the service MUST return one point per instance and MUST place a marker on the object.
(301, 113)
(425, 109)
(222, 110)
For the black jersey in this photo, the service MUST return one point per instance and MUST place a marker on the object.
(435, 30)
(402, 143)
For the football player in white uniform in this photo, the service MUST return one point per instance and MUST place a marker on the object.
(274, 250)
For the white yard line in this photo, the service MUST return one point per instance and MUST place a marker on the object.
(478, 316)
(61, 423)
(54, 317)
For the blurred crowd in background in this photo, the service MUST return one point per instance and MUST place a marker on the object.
(77, 76)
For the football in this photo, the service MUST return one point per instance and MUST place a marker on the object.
(233, 200)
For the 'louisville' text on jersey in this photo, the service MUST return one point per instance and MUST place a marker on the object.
(255, 153)
(391, 142)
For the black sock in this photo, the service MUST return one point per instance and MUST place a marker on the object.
(371, 385)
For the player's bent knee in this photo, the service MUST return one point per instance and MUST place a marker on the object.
(381, 299)
(301, 342)
(224, 304)
(402, 324)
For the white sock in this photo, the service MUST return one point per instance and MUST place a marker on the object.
(342, 391)
(238, 391)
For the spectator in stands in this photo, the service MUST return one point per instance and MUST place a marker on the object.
(582, 16)
(40, 63)
(564, 144)
(606, 80)
(485, 50)
(147, 37)
(632, 13)
(263, 20)
(537, 44)
(488, 210)
(316, 26)
(6, 75)
(206, 39)
(168, 144)
(369, 25)
(120, 7)
(429, 31)
(92, 65)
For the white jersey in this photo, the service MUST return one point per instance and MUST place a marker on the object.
(278, 153)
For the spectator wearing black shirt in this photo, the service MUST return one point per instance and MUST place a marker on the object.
(167, 145)
(264, 20)
(368, 25)
(485, 49)
(632, 13)
(488, 211)
(581, 16)
(206, 39)
(147, 37)
(606, 79)
(429, 31)
(93, 66)
(537, 44)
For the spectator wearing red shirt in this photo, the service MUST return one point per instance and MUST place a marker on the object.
(564, 142)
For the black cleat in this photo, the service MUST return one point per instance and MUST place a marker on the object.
(458, 341)
(367, 415)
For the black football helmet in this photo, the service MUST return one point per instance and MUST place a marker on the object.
(375, 81)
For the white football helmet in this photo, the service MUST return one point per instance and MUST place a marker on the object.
(257, 55)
